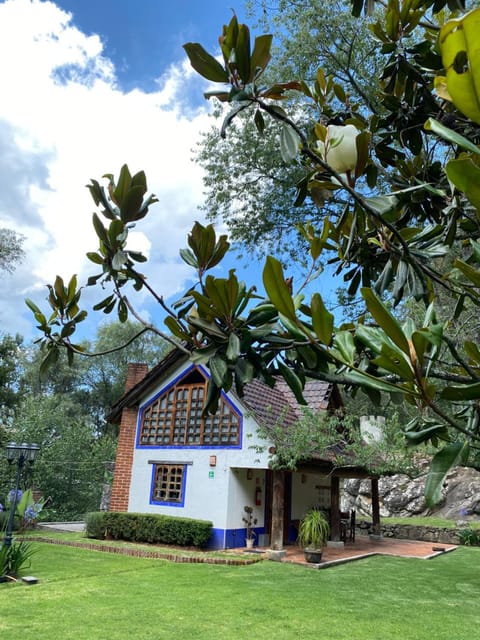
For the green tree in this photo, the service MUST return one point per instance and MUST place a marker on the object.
(71, 464)
(10, 350)
(106, 375)
(94, 384)
(11, 250)
(248, 186)
(64, 412)
(389, 245)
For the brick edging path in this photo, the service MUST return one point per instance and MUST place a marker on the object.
(143, 553)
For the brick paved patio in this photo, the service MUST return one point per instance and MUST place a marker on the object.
(366, 546)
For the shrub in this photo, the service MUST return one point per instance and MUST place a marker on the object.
(95, 524)
(145, 527)
(469, 537)
(15, 557)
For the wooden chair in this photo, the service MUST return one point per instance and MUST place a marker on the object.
(347, 525)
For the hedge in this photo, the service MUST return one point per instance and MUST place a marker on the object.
(146, 527)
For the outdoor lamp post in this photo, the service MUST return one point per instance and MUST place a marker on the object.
(19, 453)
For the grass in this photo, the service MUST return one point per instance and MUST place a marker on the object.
(85, 594)
(430, 521)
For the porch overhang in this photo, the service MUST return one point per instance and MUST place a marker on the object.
(337, 473)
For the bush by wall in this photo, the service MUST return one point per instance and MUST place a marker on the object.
(145, 527)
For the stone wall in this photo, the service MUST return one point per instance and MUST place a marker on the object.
(413, 532)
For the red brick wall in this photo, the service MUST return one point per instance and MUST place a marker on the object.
(124, 461)
(126, 444)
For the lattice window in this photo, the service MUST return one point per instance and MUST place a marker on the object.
(168, 483)
(175, 418)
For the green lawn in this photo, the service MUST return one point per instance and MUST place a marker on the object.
(85, 595)
(431, 521)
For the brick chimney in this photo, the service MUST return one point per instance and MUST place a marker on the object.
(135, 372)
(126, 443)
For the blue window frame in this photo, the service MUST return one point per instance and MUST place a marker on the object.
(175, 417)
(168, 483)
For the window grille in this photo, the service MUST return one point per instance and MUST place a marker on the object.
(175, 418)
(168, 483)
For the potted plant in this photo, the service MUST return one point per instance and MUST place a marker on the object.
(250, 522)
(313, 533)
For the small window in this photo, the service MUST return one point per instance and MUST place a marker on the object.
(168, 485)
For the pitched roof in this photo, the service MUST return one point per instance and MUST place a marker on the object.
(279, 405)
(267, 404)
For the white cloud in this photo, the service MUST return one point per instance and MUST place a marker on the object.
(63, 121)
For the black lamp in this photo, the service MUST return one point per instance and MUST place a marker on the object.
(19, 453)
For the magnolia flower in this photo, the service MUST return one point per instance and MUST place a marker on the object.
(339, 148)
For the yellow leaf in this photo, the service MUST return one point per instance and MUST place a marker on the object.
(459, 45)
(440, 84)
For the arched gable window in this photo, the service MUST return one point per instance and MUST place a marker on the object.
(175, 417)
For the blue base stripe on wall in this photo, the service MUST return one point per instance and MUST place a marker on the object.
(231, 538)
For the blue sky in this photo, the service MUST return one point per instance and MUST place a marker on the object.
(90, 86)
(144, 37)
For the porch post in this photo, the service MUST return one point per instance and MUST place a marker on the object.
(375, 508)
(278, 496)
(335, 508)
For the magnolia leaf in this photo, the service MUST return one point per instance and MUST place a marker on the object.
(345, 345)
(230, 116)
(385, 319)
(205, 64)
(219, 370)
(451, 455)
(234, 346)
(465, 175)
(414, 438)
(322, 319)
(289, 143)
(293, 382)
(468, 271)
(462, 392)
(450, 136)
(122, 186)
(131, 204)
(364, 379)
(244, 372)
(277, 289)
(362, 142)
(458, 42)
(472, 351)
(259, 121)
(260, 56)
(242, 53)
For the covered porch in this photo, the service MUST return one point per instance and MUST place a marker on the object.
(281, 499)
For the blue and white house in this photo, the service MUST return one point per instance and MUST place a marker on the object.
(173, 460)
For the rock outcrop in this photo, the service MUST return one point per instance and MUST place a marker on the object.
(403, 496)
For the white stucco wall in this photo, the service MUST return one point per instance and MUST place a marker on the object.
(217, 493)
(309, 490)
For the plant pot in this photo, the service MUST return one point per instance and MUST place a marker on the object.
(249, 543)
(313, 555)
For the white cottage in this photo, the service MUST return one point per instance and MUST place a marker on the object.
(172, 460)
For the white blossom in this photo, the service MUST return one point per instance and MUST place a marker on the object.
(339, 149)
